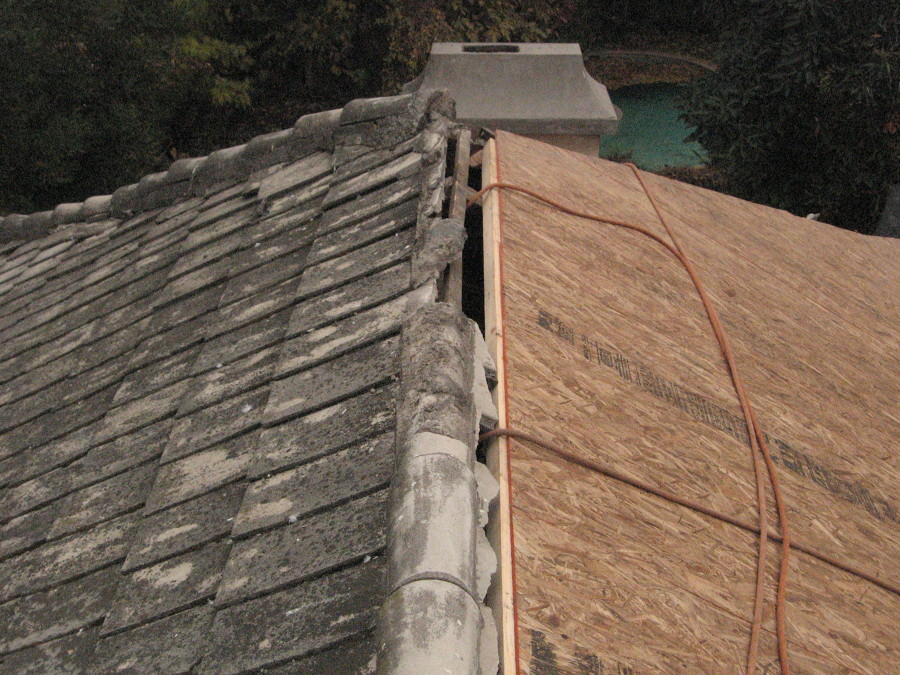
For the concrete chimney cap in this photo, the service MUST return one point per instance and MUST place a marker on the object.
(526, 88)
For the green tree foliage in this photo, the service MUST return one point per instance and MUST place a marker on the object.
(322, 53)
(307, 55)
(412, 26)
(98, 92)
(803, 113)
(595, 23)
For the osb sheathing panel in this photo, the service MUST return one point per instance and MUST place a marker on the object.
(610, 355)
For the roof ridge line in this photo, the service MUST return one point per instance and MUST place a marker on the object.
(431, 619)
(439, 561)
(151, 190)
(199, 176)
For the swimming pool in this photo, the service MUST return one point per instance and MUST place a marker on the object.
(650, 128)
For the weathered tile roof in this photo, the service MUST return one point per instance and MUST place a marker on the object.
(219, 388)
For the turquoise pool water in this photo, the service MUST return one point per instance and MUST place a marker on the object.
(650, 128)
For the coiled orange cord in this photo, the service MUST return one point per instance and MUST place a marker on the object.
(758, 446)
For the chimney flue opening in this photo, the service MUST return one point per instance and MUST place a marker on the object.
(491, 49)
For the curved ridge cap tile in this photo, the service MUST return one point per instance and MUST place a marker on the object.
(125, 200)
(417, 104)
(95, 206)
(383, 123)
(432, 615)
(436, 101)
(434, 521)
(364, 109)
(220, 166)
(265, 151)
(13, 220)
(318, 123)
(267, 142)
(225, 155)
(9, 231)
(67, 213)
(26, 227)
(40, 223)
(183, 169)
(153, 179)
(225, 164)
(429, 626)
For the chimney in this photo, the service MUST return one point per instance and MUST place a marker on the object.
(538, 90)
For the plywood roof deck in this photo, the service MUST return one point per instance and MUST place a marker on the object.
(608, 353)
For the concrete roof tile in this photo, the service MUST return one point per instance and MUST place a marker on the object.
(67, 213)
(328, 342)
(95, 206)
(225, 358)
(370, 204)
(293, 494)
(27, 530)
(102, 501)
(67, 655)
(333, 243)
(310, 193)
(173, 644)
(231, 379)
(294, 622)
(63, 609)
(153, 592)
(201, 472)
(357, 264)
(65, 559)
(296, 174)
(265, 302)
(401, 167)
(337, 426)
(349, 657)
(351, 298)
(116, 456)
(313, 545)
(221, 348)
(261, 277)
(332, 381)
(320, 123)
(184, 527)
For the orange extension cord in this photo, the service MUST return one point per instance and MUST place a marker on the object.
(757, 438)
(597, 467)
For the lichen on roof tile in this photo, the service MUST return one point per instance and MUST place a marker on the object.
(199, 402)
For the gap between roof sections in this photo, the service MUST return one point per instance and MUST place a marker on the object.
(463, 283)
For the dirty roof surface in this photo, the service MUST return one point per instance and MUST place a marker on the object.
(197, 404)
